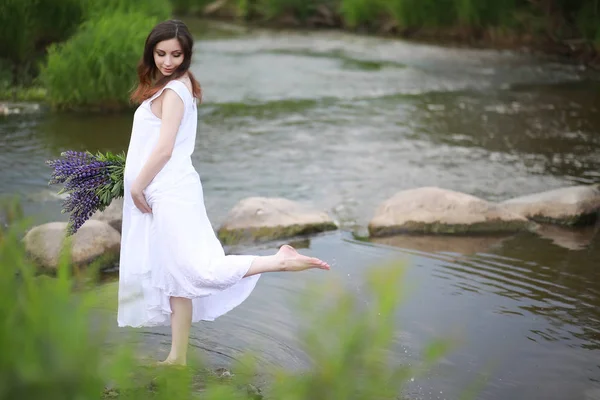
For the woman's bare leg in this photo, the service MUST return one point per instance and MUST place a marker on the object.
(287, 259)
(181, 321)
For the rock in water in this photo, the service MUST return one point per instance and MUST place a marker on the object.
(441, 211)
(113, 214)
(576, 205)
(94, 241)
(259, 219)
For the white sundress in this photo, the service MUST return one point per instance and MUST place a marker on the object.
(174, 250)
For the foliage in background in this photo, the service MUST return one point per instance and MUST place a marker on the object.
(362, 13)
(56, 343)
(95, 69)
(411, 13)
(160, 9)
(586, 16)
(301, 9)
(190, 7)
(27, 27)
(554, 19)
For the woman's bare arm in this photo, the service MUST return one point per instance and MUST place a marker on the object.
(171, 115)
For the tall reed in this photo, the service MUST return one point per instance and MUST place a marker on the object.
(362, 13)
(161, 9)
(27, 27)
(301, 9)
(96, 68)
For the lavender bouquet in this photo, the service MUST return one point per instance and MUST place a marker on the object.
(91, 181)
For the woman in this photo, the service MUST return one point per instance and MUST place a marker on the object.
(173, 269)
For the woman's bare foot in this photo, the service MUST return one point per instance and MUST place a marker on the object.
(286, 259)
(290, 260)
(171, 362)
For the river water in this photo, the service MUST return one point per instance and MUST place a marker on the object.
(342, 122)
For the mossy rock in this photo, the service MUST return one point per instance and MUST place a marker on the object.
(260, 219)
(95, 242)
(432, 210)
(570, 206)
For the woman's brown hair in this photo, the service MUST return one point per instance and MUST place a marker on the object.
(150, 79)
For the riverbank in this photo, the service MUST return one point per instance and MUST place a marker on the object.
(569, 34)
(576, 51)
(14, 100)
(573, 50)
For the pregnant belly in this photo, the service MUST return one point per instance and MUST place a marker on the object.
(185, 186)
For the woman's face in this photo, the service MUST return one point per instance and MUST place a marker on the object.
(168, 55)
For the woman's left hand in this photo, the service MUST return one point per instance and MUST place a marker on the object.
(139, 199)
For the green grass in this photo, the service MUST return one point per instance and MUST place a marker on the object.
(20, 93)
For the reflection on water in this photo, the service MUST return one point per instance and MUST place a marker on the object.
(343, 122)
(547, 129)
(526, 312)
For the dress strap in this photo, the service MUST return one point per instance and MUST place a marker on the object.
(180, 88)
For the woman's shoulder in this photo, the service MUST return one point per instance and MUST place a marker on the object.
(185, 80)
(182, 88)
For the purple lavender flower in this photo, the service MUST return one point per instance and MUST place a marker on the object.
(91, 182)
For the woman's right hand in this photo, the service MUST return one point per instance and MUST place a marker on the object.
(139, 199)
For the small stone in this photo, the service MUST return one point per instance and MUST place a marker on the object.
(223, 373)
(254, 392)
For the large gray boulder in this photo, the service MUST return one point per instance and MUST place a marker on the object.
(441, 211)
(259, 219)
(95, 241)
(113, 214)
(576, 205)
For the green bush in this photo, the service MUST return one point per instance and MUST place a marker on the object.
(429, 13)
(480, 14)
(362, 13)
(48, 348)
(588, 20)
(189, 7)
(94, 9)
(418, 13)
(301, 9)
(56, 345)
(96, 68)
(28, 26)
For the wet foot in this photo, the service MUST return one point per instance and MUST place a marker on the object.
(171, 363)
(291, 260)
